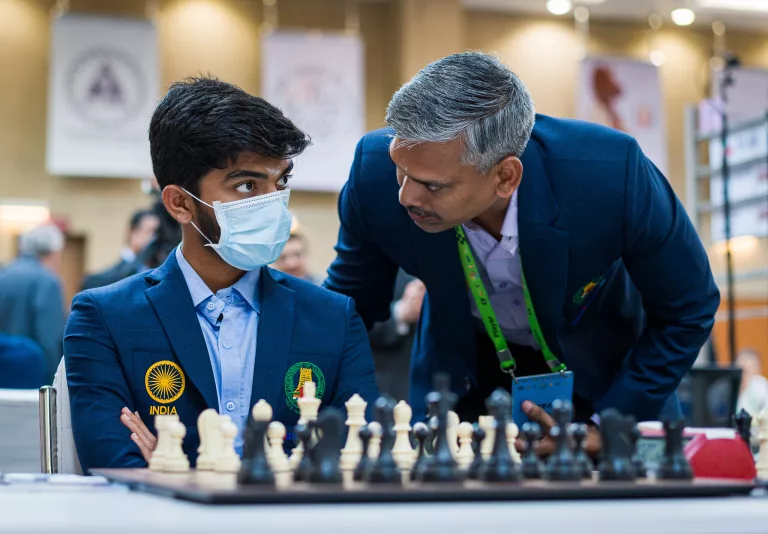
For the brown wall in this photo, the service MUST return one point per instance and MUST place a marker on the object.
(221, 37)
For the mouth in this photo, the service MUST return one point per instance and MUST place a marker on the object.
(420, 218)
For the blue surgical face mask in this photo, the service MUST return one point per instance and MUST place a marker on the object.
(253, 231)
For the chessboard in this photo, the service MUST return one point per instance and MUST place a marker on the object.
(206, 487)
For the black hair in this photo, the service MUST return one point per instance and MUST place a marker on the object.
(138, 216)
(203, 123)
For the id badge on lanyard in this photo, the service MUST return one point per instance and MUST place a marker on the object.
(541, 390)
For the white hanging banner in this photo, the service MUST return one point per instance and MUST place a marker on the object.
(317, 81)
(104, 81)
(625, 94)
(747, 154)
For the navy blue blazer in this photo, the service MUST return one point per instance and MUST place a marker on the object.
(591, 207)
(116, 334)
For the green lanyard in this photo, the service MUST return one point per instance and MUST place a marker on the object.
(477, 288)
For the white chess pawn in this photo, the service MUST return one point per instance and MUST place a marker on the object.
(229, 461)
(762, 460)
(261, 411)
(374, 446)
(512, 432)
(353, 448)
(276, 456)
(465, 455)
(211, 442)
(160, 454)
(402, 450)
(486, 422)
(176, 461)
(309, 406)
(451, 432)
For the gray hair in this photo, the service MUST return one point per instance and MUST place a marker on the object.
(41, 240)
(471, 95)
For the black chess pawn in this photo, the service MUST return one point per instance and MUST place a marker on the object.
(674, 465)
(326, 453)
(500, 467)
(304, 433)
(478, 435)
(531, 466)
(637, 459)
(579, 432)
(429, 443)
(255, 469)
(441, 466)
(385, 469)
(363, 468)
(616, 454)
(562, 465)
(742, 421)
(420, 434)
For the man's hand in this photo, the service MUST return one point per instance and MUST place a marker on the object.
(140, 434)
(546, 445)
(408, 308)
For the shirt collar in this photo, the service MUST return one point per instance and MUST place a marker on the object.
(127, 254)
(247, 286)
(508, 226)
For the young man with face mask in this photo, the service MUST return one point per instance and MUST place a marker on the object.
(549, 248)
(213, 327)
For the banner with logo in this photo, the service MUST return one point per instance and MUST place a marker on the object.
(317, 80)
(747, 152)
(625, 94)
(104, 85)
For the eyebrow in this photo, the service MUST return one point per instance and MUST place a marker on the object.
(423, 182)
(240, 173)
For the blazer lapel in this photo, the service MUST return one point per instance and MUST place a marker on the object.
(543, 246)
(172, 302)
(274, 338)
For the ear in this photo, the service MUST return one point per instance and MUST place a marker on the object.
(509, 172)
(178, 204)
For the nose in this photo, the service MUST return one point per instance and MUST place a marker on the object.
(408, 194)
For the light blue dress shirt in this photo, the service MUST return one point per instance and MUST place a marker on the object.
(229, 321)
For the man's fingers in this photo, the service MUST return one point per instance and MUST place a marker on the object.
(537, 413)
(136, 425)
(146, 452)
(545, 447)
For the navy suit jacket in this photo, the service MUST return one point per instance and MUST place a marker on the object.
(116, 333)
(590, 205)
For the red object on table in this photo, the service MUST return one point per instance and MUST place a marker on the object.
(720, 457)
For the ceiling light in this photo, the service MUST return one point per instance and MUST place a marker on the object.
(736, 5)
(559, 7)
(658, 58)
(683, 16)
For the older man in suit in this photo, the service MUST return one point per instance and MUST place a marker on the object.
(31, 295)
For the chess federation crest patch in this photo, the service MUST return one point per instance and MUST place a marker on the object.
(297, 375)
(165, 384)
(585, 291)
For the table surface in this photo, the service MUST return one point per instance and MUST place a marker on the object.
(42, 508)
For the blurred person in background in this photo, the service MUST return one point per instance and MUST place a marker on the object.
(22, 363)
(167, 236)
(31, 294)
(142, 230)
(392, 340)
(753, 394)
(294, 258)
